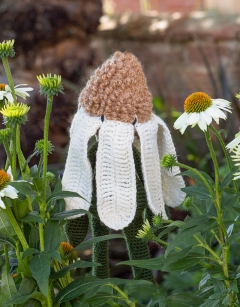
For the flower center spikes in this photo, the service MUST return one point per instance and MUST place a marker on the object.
(50, 85)
(67, 248)
(197, 102)
(2, 87)
(6, 49)
(15, 113)
(4, 179)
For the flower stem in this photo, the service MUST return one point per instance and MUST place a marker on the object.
(45, 161)
(45, 152)
(16, 227)
(197, 173)
(9, 77)
(222, 230)
(14, 153)
(218, 135)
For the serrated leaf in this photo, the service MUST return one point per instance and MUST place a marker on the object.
(63, 194)
(65, 214)
(52, 236)
(197, 191)
(91, 241)
(76, 264)
(40, 268)
(33, 216)
(23, 187)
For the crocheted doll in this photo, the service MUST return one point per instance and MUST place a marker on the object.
(119, 177)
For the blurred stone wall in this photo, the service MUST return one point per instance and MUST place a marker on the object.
(181, 54)
(50, 37)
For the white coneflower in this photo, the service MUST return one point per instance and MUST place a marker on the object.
(5, 92)
(200, 109)
(5, 189)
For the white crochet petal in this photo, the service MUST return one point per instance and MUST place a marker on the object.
(151, 166)
(115, 174)
(77, 176)
(171, 184)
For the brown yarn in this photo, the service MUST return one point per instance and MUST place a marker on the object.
(118, 90)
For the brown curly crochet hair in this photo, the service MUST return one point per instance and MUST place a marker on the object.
(118, 90)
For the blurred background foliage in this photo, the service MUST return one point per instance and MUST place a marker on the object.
(184, 47)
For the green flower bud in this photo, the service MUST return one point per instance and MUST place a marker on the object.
(39, 147)
(188, 202)
(6, 49)
(157, 220)
(51, 178)
(146, 232)
(50, 85)
(15, 114)
(168, 161)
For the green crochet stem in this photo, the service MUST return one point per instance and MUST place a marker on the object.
(138, 249)
(99, 250)
(76, 230)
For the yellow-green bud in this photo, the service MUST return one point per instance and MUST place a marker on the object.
(15, 114)
(6, 49)
(50, 85)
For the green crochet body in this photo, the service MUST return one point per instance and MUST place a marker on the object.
(137, 249)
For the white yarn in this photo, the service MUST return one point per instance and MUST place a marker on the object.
(77, 176)
(151, 166)
(171, 184)
(115, 174)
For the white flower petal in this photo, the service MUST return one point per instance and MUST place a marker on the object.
(9, 172)
(193, 118)
(202, 123)
(180, 121)
(2, 205)
(206, 117)
(9, 97)
(233, 143)
(11, 192)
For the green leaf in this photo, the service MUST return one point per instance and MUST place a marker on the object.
(33, 216)
(187, 233)
(82, 285)
(197, 191)
(40, 268)
(62, 194)
(197, 178)
(23, 187)
(63, 215)
(5, 226)
(29, 252)
(76, 264)
(150, 264)
(7, 240)
(23, 267)
(8, 288)
(91, 241)
(176, 256)
(160, 297)
(184, 300)
(52, 236)
(184, 263)
(227, 179)
(27, 287)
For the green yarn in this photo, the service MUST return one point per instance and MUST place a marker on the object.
(76, 230)
(99, 250)
(137, 248)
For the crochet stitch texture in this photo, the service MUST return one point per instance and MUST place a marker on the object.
(114, 97)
